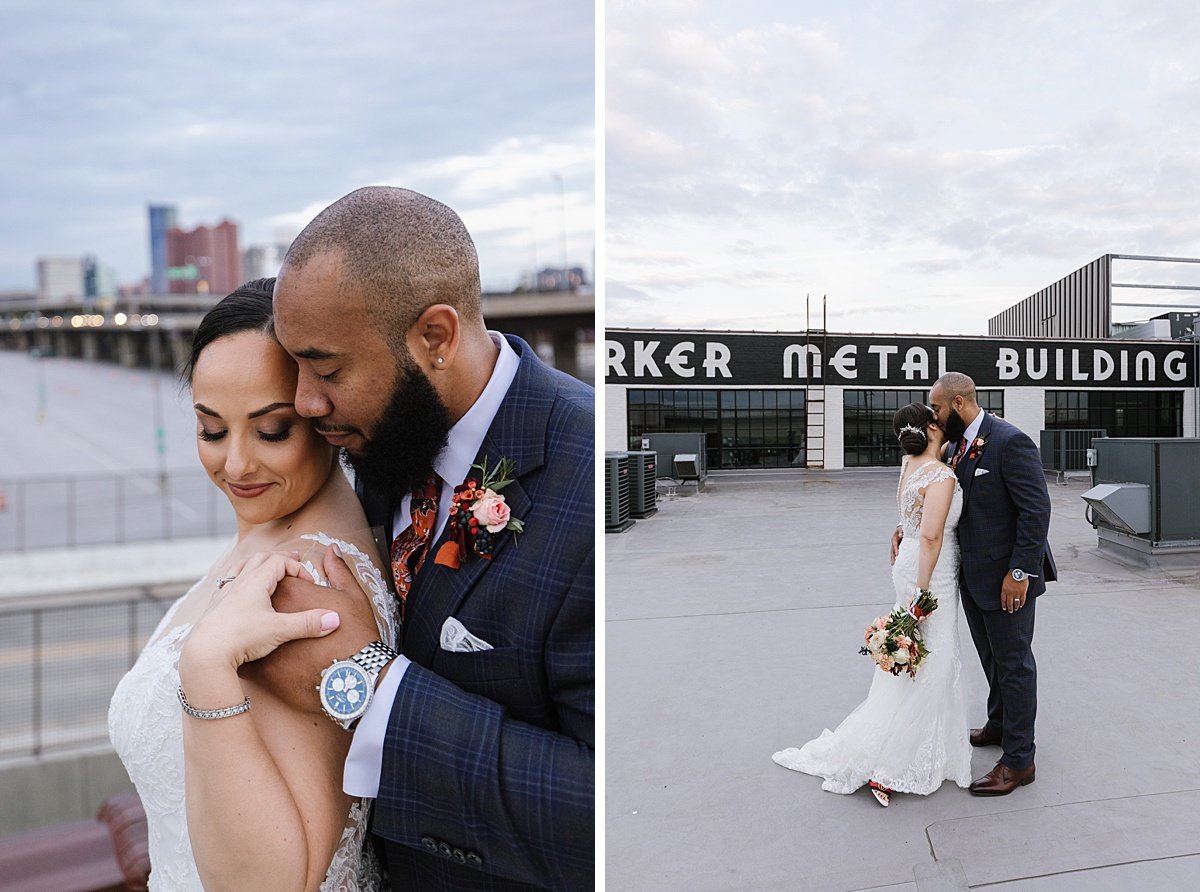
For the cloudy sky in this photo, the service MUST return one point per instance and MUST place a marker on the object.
(924, 164)
(265, 112)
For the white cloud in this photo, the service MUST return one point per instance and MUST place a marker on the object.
(927, 170)
(266, 112)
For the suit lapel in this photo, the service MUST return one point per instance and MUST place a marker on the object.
(518, 432)
(966, 467)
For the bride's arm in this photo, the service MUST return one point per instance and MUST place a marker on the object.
(933, 526)
(265, 807)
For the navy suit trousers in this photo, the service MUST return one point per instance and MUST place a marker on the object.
(1005, 644)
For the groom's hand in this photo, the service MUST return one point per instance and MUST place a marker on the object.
(896, 537)
(1013, 593)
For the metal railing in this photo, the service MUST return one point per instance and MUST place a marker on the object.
(110, 509)
(62, 662)
(1066, 450)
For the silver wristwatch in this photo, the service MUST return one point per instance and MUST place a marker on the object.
(347, 686)
(1018, 574)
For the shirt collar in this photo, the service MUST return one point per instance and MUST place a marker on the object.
(972, 430)
(466, 436)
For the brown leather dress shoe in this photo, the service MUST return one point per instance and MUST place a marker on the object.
(988, 735)
(1002, 780)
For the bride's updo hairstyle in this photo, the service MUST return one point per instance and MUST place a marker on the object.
(246, 309)
(909, 425)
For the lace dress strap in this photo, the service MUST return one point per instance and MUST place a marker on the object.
(912, 496)
(932, 472)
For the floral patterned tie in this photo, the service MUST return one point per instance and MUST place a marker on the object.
(409, 548)
(962, 450)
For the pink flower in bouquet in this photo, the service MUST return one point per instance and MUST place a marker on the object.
(491, 511)
(886, 663)
(877, 639)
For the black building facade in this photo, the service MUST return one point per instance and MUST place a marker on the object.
(775, 400)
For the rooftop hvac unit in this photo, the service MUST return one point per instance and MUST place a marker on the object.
(641, 484)
(687, 466)
(616, 490)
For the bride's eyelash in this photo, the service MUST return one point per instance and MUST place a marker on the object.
(268, 436)
(277, 436)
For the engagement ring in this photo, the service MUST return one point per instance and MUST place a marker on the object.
(224, 580)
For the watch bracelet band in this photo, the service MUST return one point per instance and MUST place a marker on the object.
(209, 715)
(374, 657)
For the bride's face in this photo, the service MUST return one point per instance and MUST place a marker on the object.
(266, 459)
(936, 435)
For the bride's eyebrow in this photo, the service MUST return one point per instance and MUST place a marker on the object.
(257, 413)
(265, 410)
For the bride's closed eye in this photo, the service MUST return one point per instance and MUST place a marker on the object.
(267, 436)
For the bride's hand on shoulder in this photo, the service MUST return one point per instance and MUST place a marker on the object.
(241, 624)
(291, 671)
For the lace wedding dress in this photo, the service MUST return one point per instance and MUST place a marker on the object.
(145, 724)
(910, 734)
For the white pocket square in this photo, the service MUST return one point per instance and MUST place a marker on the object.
(979, 472)
(456, 638)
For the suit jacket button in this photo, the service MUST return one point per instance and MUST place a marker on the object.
(460, 856)
(429, 842)
(444, 849)
(472, 858)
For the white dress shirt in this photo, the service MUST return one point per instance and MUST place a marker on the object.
(972, 431)
(364, 762)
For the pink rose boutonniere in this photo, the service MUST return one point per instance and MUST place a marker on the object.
(477, 513)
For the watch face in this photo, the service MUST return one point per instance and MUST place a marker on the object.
(1018, 575)
(345, 690)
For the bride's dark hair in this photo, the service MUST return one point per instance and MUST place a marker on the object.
(247, 308)
(909, 424)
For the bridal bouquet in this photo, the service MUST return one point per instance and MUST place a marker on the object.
(894, 641)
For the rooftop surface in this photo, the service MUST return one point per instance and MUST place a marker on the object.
(733, 623)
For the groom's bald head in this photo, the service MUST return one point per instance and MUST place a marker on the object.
(954, 384)
(952, 399)
(400, 250)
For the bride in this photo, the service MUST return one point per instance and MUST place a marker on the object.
(907, 735)
(244, 791)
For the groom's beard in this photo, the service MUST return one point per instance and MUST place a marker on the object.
(400, 452)
(955, 428)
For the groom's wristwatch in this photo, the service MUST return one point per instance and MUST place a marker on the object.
(347, 685)
(1020, 575)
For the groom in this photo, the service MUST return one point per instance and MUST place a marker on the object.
(478, 745)
(1006, 563)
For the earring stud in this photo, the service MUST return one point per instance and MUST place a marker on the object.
(440, 360)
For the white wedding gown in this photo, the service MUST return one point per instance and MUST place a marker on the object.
(145, 724)
(910, 734)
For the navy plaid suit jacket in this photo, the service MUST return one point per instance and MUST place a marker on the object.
(1006, 513)
(488, 766)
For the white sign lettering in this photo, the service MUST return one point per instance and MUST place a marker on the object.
(843, 361)
(1175, 365)
(613, 363)
(883, 352)
(716, 359)
(679, 358)
(793, 358)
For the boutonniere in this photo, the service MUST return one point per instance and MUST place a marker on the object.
(477, 513)
(977, 448)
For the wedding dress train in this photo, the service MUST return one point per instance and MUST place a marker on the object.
(145, 725)
(910, 734)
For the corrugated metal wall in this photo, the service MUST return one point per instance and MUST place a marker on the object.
(1076, 306)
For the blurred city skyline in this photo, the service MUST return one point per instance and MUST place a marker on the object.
(266, 114)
